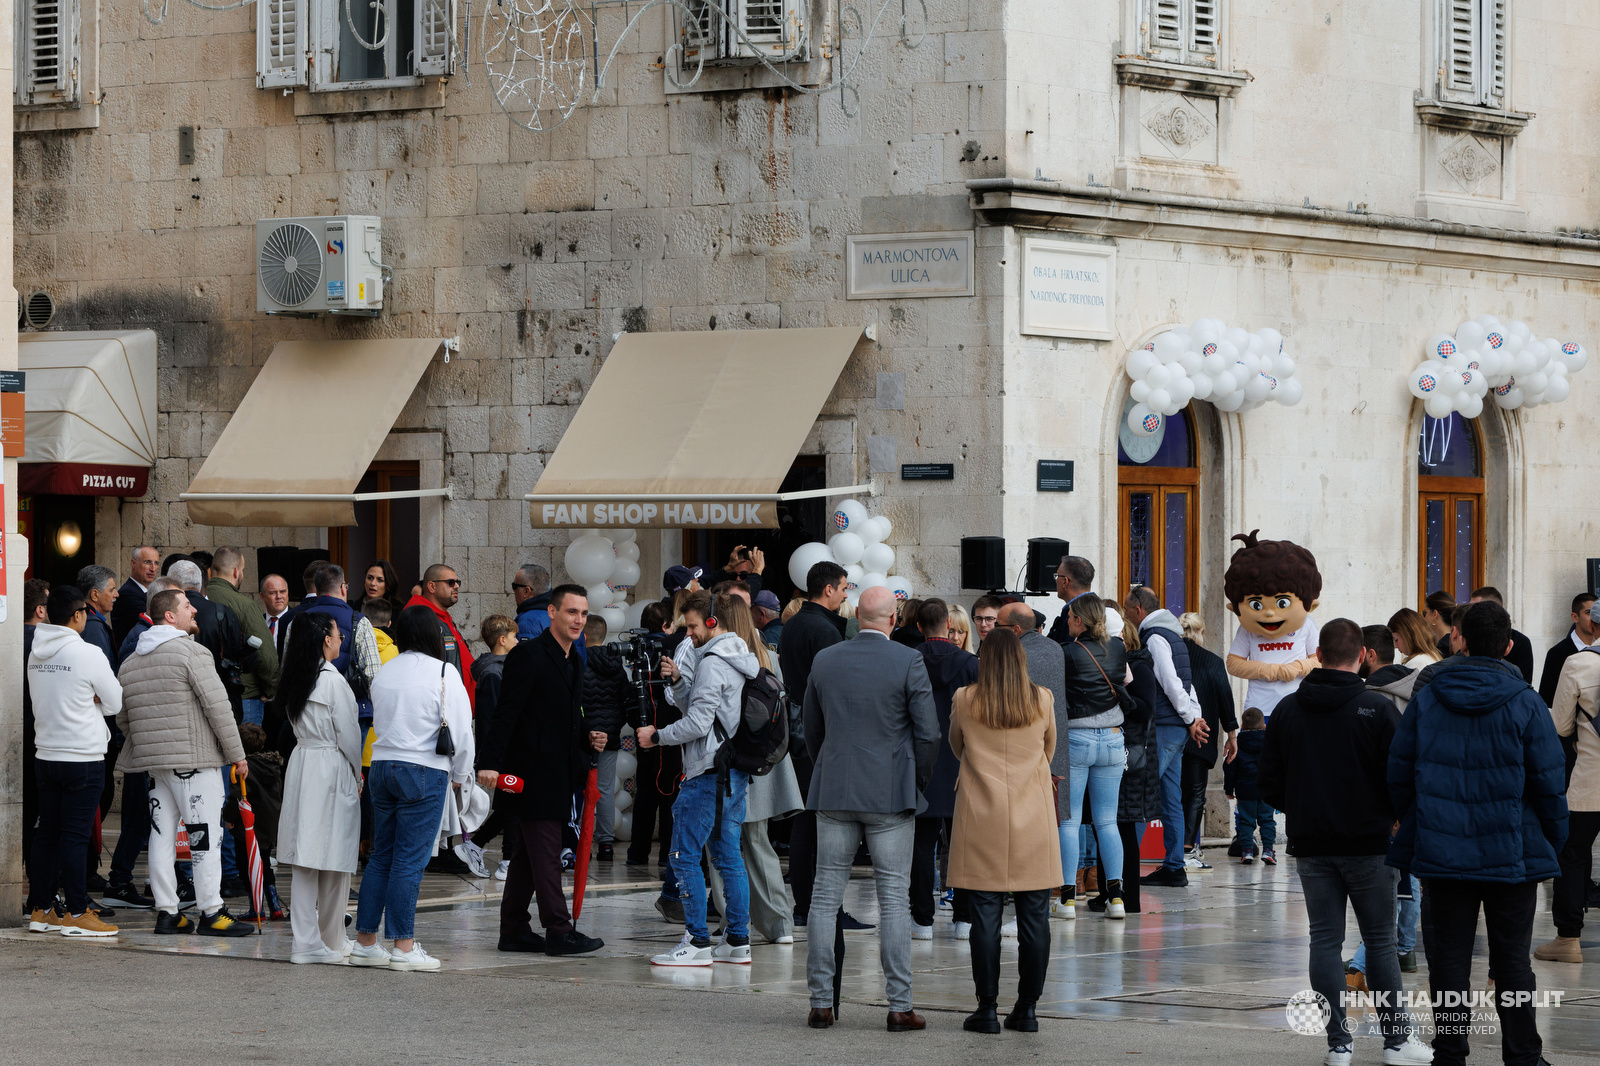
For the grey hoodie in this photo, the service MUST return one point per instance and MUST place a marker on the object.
(721, 668)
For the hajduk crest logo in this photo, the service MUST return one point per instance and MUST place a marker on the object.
(1502, 390)
(1152, 422)
(1446, 348)
(1210, 349)
(841, 520)
(1494, 340)
(1570, 348)
(1427, 383)
(900, 595)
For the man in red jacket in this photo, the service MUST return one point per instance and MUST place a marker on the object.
(441, 588)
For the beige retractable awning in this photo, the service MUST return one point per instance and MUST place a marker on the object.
(692, 429)
(305, 433)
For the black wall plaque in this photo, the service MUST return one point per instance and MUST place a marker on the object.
(928, 472)
(1055, 475)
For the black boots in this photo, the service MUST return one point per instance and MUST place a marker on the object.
(1022, 1019)
(985, 1019)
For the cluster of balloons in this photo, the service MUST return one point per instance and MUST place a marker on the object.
(623, 791)
(606, 562)
(1236, 370)
(1458, 373)
(859, 547)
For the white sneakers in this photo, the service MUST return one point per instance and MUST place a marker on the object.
(349, 946)
(963, 930)
(1412, 1053)
(500, 871)
(415, 959)
(1338, 1056)
(686, 954)
(921, 932)
(785, 939)
(369, 955)
(472, 855)
(1066, 910)
(1009, 929)
(321, 954)
(738, 954)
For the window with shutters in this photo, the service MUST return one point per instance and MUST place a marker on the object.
(733, 32)
(46, 60)
(1182, 31)
(353, 44)
(1472, 60)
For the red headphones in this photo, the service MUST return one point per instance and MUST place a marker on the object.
(711, 623)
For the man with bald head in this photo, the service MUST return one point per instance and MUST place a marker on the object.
(872, 731)
(144, 566)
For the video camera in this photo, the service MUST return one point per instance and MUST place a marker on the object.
(642, 651)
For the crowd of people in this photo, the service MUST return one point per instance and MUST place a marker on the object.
(981, 760)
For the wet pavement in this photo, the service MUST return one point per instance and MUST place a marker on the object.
(1227, 951)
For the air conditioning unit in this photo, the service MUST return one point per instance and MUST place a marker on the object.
(774, 29)
(312, 266)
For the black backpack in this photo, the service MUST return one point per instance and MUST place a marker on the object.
(761, 740)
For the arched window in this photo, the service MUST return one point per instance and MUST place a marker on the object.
(1158, 483)
(1450, 495)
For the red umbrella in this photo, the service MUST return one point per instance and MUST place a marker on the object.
(580, 878)
(247, 822)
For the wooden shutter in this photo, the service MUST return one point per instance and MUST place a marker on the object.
(1494, 54)
(47, 51)
(1460, 60)
(280, 42)
(434, 21)
(1204, 30)
(1166, 25)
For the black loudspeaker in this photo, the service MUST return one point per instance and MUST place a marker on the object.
(290, 564)
(1044, 555)
(1592, 567)
(983, 563)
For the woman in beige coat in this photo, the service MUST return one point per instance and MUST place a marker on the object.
(1003, 729)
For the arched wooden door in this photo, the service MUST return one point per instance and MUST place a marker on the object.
(1158, 489)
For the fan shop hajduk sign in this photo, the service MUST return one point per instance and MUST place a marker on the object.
(655, 514)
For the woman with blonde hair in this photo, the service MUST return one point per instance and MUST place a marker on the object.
(961, 628)
(1413, 639)
(1003, 729)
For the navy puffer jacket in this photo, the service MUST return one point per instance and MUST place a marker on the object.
(1477, 775)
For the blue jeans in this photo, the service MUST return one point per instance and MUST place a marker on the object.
(1407, 911)
(1096, 758)
(407, 803)
(693, 813)
(1369, 886)
(254, 711)
(1253, 813)
(1170, 740)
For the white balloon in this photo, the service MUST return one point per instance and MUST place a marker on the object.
(804, 558)
(1257, 347)
(1213, 364)
(1536, 383)
(1257, 388)
(579, 534)
(1470, 405)
(1440, 346)
(869, 533)
(622, 826)
(1231, 402)
(853, 597)
(619, 597)
(1424, 381)
(1229, 351)
(873, 579)
(1559, 389)
(1140, 391)
(1158, 378)
(1450, 381)
(624, 536)
(628, 551)
(1182, 392)
(627, 765)
(636, 614)
(624, 575)
(846, 547)
(1439, 405)
(1282, 366)
(623, 800)
(1289, 392)
(1169, 347)
(1202, 386)
(616, 619)
(1223, 383)
(1191, 362)
(885, 527)
(1142, 421)
(1141, 363)
(599, 597)
(1272, 338)
(849, 516)
(1236, 337)
(1160, 400)
(1574, 356)
(852, 577)
(901, 588)
(1473, 381)
(1202, 333)
(589, 560)
(878, 557)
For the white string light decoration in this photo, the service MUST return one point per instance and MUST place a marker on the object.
(536, 55)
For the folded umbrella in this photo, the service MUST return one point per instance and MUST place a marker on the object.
(247, 822)
(580, 879)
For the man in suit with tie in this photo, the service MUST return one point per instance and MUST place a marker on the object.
(275, 600)
(872, 731)
(144, 566)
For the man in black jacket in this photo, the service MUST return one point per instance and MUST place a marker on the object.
(1521, 654)
(1324, 763)
(145, 566)
(1584, 632)
(1216, 707)
(538, 734)
(815, 626)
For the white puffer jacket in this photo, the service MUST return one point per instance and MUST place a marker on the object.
(175, 711)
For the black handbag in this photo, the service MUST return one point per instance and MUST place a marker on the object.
(445, 744)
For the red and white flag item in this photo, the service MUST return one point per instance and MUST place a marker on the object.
(509, 783)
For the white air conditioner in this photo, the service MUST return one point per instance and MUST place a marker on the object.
(311, 266)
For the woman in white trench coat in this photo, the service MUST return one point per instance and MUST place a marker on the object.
(319, 829)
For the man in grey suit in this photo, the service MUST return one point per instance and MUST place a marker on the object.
(872, 731)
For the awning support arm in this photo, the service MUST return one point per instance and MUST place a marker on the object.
(315, 497)
(735, 497)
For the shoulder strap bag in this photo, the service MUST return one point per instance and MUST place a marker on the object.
(1123, 697)
(445, 744)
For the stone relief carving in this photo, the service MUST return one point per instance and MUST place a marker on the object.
(1469, 162)
(1174, 127)
(1178, 126)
